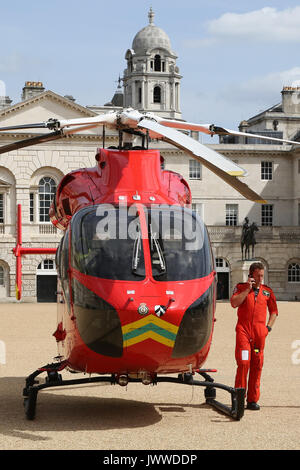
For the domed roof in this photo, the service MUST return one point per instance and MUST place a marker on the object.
(151, 37)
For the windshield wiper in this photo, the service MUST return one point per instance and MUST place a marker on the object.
(136, 251)
(161, 259)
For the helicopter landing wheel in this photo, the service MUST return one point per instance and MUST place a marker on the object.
(186, 378)
(210, 393)
(30, 403)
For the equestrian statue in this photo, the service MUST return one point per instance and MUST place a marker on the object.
(248, 238)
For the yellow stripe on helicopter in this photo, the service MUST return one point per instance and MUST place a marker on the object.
(149, 327)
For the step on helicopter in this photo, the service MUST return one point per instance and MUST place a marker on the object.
(136, 288)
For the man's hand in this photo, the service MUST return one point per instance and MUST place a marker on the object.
(238, 299)
(250, 282)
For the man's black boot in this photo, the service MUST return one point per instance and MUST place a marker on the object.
(253, 406)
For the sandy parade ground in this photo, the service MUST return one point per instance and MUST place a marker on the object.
(160, 417)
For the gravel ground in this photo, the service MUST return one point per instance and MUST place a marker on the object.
(162, 417)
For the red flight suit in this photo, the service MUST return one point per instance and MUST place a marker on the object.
(251, 332)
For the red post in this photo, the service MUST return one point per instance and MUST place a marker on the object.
(19, 251)
(18, 255)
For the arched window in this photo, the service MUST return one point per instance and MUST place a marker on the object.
(1, 276)
(222, 264)
(157, 63)
(46, 264)
(47, 189)
(157, 94)
(1, 208)
(294, 272)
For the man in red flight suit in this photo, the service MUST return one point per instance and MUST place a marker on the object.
(252, 299)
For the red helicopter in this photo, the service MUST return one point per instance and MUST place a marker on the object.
(136, 274)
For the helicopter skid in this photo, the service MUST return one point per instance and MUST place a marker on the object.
(54, 379)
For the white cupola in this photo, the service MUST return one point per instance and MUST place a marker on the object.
(151, 79)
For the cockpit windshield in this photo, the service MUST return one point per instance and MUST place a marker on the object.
(108, 242)
(179, 244)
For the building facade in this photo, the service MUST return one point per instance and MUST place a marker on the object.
(152, 83)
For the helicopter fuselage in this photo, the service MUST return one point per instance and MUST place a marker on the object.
(137, 285)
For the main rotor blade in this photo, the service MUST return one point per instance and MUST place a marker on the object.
(38, 125)
(217, 163)
(39, 139)
(222, 131)
(211, 129)
(108, 119)
(191, 126)
(208, 155)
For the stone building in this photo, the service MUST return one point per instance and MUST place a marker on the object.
(274, 172)
(151, 82)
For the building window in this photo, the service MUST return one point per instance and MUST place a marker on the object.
(157, 94)
(1, 208)
(31, 207)
(267, 214)
(299, 166)
(157, 63)
(47, 189)
(46, 264)
(221, 263)
(194, 170)
(198, 207)
(266, 170)
(231, 214)
(294, 272)
(1, 276)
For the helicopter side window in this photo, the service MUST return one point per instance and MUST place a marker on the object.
(107, 243)
(179, 244)
(64, 266)
(58, 258)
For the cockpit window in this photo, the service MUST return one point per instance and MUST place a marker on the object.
(107, 243)
(179, 244)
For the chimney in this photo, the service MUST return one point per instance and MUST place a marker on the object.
(5, 102)
(32, 89)
(291, 99)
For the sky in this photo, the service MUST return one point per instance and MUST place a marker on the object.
(234, 56)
